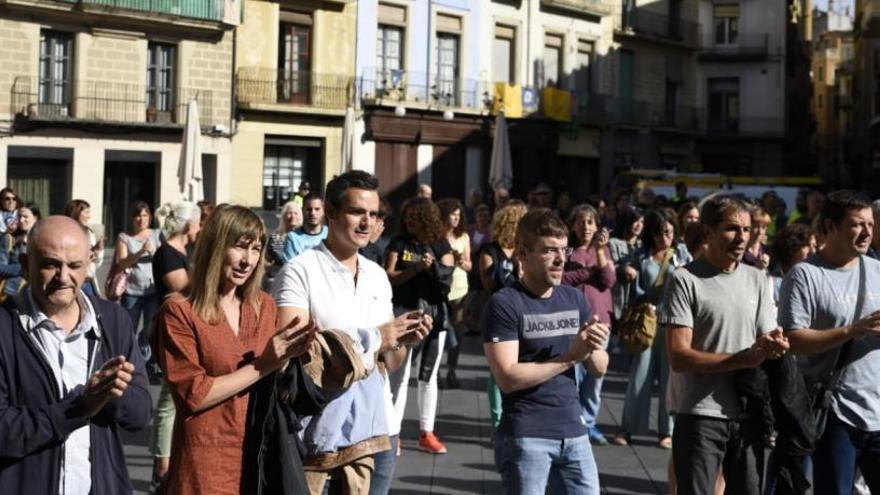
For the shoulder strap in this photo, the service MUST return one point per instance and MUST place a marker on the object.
(664, 268)
(837, 371)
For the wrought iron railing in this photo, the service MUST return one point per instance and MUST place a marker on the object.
(640, 21)
(266, 85)
(744, 126)
(211, 10)
(740, 45)
(423, 88)
(113, 102)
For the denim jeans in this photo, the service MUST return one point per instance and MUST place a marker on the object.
(146, 306)
(589, 390)
(644, 366)
(841, 449)
(383, 472)
(528, 464)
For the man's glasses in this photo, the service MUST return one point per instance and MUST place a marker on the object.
(551, 252)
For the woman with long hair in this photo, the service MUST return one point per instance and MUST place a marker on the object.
(590, 269)
(451, 212)
(419, 264)
(626, 239)
(499, 268)
(81, 211)
(658, 249)
(218, 340)
(181, 224)
(134, 254)
(13, 246)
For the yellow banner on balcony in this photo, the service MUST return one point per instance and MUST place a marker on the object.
(557, 104)
(508, 97)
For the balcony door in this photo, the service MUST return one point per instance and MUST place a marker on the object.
(56, 55)
(447, 69)
(160, 83)
(294, 62)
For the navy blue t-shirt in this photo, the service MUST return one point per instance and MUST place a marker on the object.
(544, 328)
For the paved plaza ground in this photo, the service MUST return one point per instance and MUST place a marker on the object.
(463, 424)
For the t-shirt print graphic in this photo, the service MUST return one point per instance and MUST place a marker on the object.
(547, 325)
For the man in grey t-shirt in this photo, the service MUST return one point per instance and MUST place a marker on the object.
(818, 302)
(720, 319)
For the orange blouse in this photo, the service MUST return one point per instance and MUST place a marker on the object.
(208, 446)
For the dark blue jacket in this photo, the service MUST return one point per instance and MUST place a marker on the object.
(35, 423)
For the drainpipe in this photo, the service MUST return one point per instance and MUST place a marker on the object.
(428, 58)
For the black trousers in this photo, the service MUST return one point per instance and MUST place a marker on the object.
(702, 445)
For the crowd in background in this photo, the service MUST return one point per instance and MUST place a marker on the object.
(443, 260)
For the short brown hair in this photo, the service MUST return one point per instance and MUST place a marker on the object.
(839, 203)
(539, 222)
(715, 210)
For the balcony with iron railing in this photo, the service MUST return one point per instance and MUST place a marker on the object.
(744, 127)
(656, 26)
(591, 7)
(210, 10)
(282, 89)
(743, 46)
(395, 87)
(636, 113)
(109, 102)
(199, 15)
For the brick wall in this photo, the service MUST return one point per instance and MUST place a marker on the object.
(207, 66)
(19, 43)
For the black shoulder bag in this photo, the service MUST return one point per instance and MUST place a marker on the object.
(823, 392)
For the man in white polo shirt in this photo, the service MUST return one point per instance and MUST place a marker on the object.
(340, 289)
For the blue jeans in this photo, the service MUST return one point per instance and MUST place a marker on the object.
(383, 471)
(589, 388)
(644, 366)
(841, 449)
(146, 306)
(527, 464)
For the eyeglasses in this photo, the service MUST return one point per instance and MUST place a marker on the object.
(551, 252)
(9, 198)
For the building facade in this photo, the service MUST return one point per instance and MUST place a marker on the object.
(865, 135)
(294, 67)
(742, 87)
(432, 75)
(97, 95)
(652, 108)
(832, 56)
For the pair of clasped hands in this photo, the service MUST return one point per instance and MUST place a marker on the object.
(771, 345)
(292, 341)
(591, 337)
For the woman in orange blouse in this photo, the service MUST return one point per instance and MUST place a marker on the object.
(217, 341)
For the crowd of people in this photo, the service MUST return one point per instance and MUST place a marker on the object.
(284, 357)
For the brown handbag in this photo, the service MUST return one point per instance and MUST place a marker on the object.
(638, 325)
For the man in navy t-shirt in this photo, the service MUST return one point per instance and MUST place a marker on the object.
(533, 335)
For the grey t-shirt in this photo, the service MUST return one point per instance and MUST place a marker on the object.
(819, 296)
(726, 311)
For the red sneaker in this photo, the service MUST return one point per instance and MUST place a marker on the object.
(428, 442)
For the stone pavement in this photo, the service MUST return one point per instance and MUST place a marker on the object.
(463, 424)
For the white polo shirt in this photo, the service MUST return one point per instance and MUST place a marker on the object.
(317, 281)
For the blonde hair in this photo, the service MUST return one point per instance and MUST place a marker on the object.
(290, 205)
(175, 219)
(226, 226)
(504, 224)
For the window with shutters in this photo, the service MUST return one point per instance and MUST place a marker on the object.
(294, 60)
(723, 104)
(160, 82)
(552, 60)
(726, 24)
(503, 49)
(56, 81)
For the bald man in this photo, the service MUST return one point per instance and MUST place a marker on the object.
(71, 375)
(425, 191)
